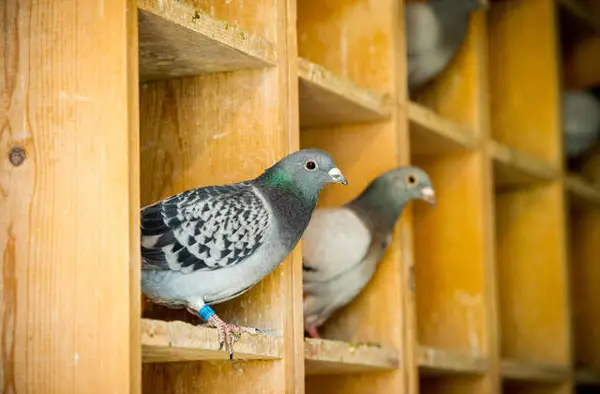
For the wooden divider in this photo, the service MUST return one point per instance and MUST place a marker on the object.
(68, 117)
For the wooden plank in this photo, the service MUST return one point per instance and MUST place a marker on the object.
(326, 98)
(431, 134)
(327, 357)
(133, 99)
(522, 78)
(405, 233)
(434, 362)
(177, 39)
(535, 372)
(530, 236)
(581, 192)
(178, 341)
(65, 197)
(492, 381)
(513, 168)
(293, 329)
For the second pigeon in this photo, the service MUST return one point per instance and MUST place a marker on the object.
(342, 246)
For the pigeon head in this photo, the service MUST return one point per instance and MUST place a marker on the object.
(387, 194)
(408, 183)
(304, 172)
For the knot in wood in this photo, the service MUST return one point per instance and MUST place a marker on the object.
(16, 156)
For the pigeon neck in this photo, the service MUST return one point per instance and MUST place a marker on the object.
(291, 206)
(452, 10)
(278, 179)
(378, 207)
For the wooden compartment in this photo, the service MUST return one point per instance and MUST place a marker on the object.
(532, 280)
(450, 257)
(453, 385)
(347, 108)
(524, 84)
(510, 387)
(585, 275)
(453, 254)
(362, 151)
(454, 94)
(227, 120)
(212, 130)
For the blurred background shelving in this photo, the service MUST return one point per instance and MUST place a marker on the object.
(495, 290)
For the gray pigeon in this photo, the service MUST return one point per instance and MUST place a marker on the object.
(342, 246)
(208, 245)
(581, 121)
(435, 31)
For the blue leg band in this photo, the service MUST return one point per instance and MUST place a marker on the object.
(206, 312)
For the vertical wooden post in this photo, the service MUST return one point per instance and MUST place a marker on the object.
(68, 131)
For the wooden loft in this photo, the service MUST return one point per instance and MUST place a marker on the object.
(493, 291)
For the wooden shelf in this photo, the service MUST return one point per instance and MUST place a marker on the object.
(588, 376)
(582, 12)
(431, 134)
(533, 371)
(327, 98)
(433, 362)
(581, 192)
(178, 341)
(176, 40)
(322, 357)
(513, 168)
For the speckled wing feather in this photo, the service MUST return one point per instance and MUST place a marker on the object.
(204, 229)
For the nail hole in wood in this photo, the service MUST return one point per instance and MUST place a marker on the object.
(16, 156)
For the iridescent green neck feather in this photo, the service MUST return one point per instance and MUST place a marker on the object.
(281, 179)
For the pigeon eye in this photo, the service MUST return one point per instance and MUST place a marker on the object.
(412, 180)
(310, 165)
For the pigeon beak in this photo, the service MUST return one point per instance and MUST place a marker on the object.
(337, 176)
(428, 195)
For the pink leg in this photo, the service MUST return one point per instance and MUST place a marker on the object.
(312, 331)
(226, 331)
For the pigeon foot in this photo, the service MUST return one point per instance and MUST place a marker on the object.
(227, 331)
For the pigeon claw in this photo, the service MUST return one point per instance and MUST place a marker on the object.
(228, 332)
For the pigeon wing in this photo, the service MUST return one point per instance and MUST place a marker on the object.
(203, 229)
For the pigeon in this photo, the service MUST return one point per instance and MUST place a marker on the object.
(581, 121)
(342, 245)
(211, 244)
(435, 31)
